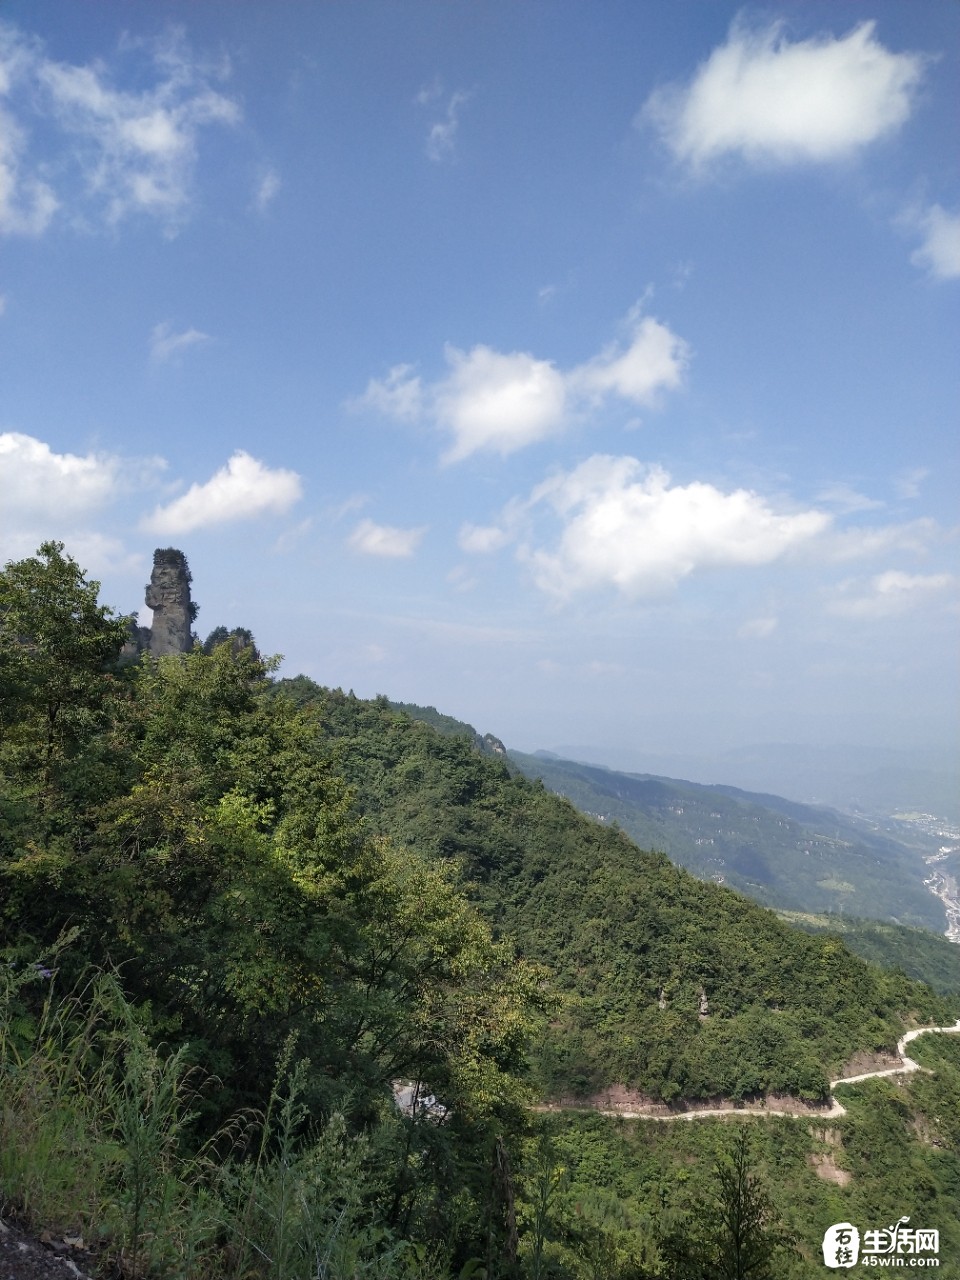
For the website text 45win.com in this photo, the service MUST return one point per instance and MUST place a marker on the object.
(873, 1261)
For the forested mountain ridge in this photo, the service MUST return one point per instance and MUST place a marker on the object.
(920, 954)
(888, 872)
(784, 854)
(791, 856)
(668, 984)
(236, 911)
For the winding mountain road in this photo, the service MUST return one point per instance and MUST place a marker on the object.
(835, 1109)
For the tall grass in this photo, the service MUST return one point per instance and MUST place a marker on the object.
(51, 1103)
(96, 1139)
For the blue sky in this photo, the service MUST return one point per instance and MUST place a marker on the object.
(587, 371)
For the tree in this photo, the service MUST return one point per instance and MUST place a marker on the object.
(737, 1237)
(238, 638)
(56, 644)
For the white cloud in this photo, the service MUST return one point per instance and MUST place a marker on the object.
(291, 537)
(398, 395)
(654, 360)
(626, 526)
(770, 100)
(242, 489)
(27, 204)
(907, 484)
(339, 510)
(136, 148)
(483, 539)
(757, 628)
(477, 539)
(461, 579)
(430, 92)
(860, 543)
(165, 343)
(500, 402)
(53, 495)
(100, 553)
(385, 540)
(96, 553)
(843, 497)
(267, 190)
(939, 254)
(39, 484)
(890, 593)
(442, 138)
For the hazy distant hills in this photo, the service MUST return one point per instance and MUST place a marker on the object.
(787, 855)
(784, 854)
(877, 781)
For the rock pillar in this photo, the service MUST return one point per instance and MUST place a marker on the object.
(168, 595)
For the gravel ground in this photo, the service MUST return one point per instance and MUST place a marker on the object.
(27, 1257)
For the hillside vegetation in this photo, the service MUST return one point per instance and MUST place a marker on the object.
(236, 913)
(896, 1152)
(177, 830)
(925, 956)
(792, 856)
(667, 984)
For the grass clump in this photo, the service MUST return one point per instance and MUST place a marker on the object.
(98, 1140)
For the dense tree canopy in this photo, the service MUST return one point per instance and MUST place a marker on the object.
(56, 645)
(187, 824)
(674, 986)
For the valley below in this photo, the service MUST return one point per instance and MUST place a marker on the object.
(944, 884)
(795, 857)
(940, 840)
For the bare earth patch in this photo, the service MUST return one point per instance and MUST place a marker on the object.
(825, 1167)
(628, 1103)
(928, 1132)
(864, 1061)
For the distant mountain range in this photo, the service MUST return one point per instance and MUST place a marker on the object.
(874, 781)
(658, 981)
(787, 855)
(794, 857)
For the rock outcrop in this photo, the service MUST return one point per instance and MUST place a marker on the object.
(168, 595)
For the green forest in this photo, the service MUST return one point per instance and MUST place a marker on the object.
(786, 855)
(242, 918)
